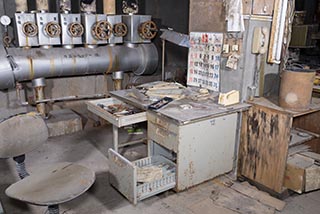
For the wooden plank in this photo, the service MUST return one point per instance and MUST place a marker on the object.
(247, 7)
(260, 196)
(264, 146)
(109, 7)
(263, 7)
(201, 10)
(237, 202)
(208, 207)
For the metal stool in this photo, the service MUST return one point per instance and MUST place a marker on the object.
(50, 186)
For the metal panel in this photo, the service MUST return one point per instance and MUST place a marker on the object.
(27, 20)
(123, 175)
(67, 21)
(48, 35)
(206, 150)
(88, 21)
(133, 22)
(113, 20)
(163, 136)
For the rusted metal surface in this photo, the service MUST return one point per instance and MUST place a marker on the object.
(296, 90)
(207, 16)
(39, 95)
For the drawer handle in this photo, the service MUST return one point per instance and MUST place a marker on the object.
(161, 133)
(162, 123)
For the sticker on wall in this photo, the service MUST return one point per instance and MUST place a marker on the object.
(204, 60)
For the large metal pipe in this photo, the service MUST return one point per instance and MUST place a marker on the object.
(57, 62)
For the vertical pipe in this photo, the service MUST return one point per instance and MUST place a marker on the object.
(88, 8)
(38, 85)
(42, 5)
(21, 5)
(117, 80)
(109, 7)
(163, 59)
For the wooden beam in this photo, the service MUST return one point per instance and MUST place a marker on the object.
(109, 7)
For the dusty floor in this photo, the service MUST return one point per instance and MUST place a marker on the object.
(89, 148)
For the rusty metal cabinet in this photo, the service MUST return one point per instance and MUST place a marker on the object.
(202, 149)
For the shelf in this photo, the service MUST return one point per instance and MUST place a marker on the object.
(299, 136)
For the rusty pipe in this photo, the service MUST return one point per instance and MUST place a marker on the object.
(38, 85)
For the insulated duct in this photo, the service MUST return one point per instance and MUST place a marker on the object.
(28, 64)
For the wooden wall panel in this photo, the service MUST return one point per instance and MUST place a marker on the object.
(264, 146)
(263, 7)
(207, 16)
(247, 7)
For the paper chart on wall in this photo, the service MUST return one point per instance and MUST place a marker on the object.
(204, 60)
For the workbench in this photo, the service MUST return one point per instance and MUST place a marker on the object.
(198, 138)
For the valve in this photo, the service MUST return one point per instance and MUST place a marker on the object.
(102, 30)
(53, 29)
(148, 30)
(30, 29)
(76, 29)
(120, 30)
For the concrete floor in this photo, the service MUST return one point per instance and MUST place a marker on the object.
(89, 148)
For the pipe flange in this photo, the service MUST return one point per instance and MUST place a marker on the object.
(53, 29)
(148, 30)
(30, 29)
(120, 30)
(102, 30)
(76, 29)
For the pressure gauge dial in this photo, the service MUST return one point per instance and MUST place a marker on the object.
(5, 20)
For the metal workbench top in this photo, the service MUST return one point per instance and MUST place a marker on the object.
(183, 110)
(186, 111)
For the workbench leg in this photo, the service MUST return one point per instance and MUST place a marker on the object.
(115, 137)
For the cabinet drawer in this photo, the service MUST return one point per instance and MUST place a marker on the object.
(162, 122)
(124, 176)
(163, 136)
(100, 108)
(303, 172)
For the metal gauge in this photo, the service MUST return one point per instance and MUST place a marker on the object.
(5, 20)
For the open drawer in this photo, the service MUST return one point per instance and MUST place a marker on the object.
(124, 176)
(116, 112)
